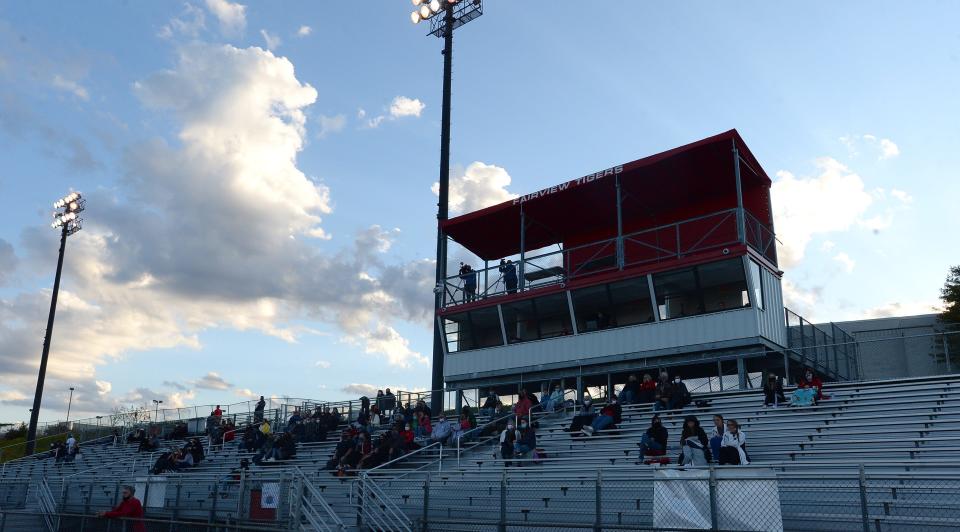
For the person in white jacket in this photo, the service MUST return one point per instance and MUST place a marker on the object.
(732, 450)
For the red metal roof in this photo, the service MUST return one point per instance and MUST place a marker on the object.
(681, 183)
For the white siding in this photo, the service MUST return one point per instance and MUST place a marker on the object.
(718, 327)
(771, 319)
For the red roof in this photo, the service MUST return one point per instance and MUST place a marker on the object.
(664, 188)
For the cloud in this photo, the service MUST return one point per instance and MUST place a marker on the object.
(801, 300)
(232, 16)
(403, 106)
(175, 385)
(103, 387)
(833, 201)
(189, 23)
(901, 195)
(272, 40)
(70, 86)
(323, 364)
(304, 31)
(212, 381)
(8, 261)
(480, 185)
(246, 392)
(906, 308)
(887, 148)
(56, 143)
(331, 124)
(370, 390)
(846, 261)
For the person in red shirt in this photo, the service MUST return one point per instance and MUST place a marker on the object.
(130, 508)
(809, 379)
(217, 412)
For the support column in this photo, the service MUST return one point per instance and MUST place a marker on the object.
(741, 220)
(786, 368)
(523, 240)
(742, 373)
(620, 259)
(609, 386)
(579, 388)
(946, 353)
(459, 401)
(720, 374)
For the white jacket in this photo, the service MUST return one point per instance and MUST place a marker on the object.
(736, 440)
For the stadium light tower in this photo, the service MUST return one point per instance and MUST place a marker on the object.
(66, 217)
(444, 17)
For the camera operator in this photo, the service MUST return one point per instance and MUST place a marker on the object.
(509, 272)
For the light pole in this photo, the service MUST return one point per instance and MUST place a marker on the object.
(444, 16)
(67, 219)
(156, 408)
(98, 425)
(69, 404)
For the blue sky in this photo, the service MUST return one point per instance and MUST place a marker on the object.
(261, 221)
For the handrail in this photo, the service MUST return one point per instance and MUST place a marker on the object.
(47, 505)
(317, 520)
(390, 517)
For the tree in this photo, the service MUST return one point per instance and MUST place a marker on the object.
(950, 295)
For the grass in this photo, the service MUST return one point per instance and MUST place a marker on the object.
(14, 448)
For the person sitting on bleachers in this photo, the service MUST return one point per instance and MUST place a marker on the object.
(182, 460)
(467, 422)
(442, 432)
(379, 454)
(399, 415)
(526, 442)
(773, 390)
(664, 393)
(422, 407)
(295, 422)
(343, 446)
(149, 444)
(583, 418)
(229, 431)
(335, 420)
(631, 391)
(809, 389)
(250, 438)
(694, 447)
(508, 438)
(534, 400)
(553, 400)
(195, 448)
(680, 396)
(374, 420)
(654, 440)
(610, 416)
(648, 390)
(352, 458)
(489, 408)
(136, 436)
(265, 428)
(523, 405)
(406, 433)
(716, 435)
(423, 428)
(165, 462)
(732, 447)
(179, 431)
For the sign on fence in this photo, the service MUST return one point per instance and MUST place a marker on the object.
(270, 496)
(747, 499)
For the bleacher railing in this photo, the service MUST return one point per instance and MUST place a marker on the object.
(314, 512)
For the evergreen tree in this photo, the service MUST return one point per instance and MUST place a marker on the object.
(950, 294)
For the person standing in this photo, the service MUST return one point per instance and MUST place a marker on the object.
(258, 410)
(469, 278)
(509, 272)
(129, 508)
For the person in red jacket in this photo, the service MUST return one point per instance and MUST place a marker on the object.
(130, 508)
(809, 379)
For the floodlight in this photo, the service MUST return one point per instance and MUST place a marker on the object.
(415, 17)
(435, 6)
(425, 12)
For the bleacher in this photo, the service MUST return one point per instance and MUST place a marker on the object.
(902, 433)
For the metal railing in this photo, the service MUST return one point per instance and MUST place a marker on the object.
(47, 505)
(314, 511)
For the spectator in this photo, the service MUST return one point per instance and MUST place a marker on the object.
(374, 420)
(71, 444)
(265, 428)
(527, 440)
(680, 396)
(343, 446)
(389, 403)
(469, 278)
(468, 421)
(129, 508)
(183, 460)
(694, 446)
(399, 415)
(408, 436)
(508, 270)
(609, 416)
(195, 448)
(423, 428)
(534, 401)
(631, 391)
(364, 405)
(654, 440)
(809, 389)
(584, 416)
(258, 410)
(508, 438)
(229, 431)
(250, 439)
(773, 390)
(716, 435)
(149, 444)
(554, 400)
(664, 393)
(352, 458)
(648, 390)
(378, 402)
(732, 451)
(489, 408)
(422, 407)
(179, 431)
(217, 412)
(443, 431)
(212, 423)
(523, 405)
(164, 463)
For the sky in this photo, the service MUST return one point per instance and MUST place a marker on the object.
(260, 175)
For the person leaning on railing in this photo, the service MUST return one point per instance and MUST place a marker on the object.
(129, 507)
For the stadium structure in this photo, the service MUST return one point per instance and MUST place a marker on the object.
(664, 264)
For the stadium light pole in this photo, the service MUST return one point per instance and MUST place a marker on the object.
(66, 217)
(444, 17)
(69, 404)
(156, 409)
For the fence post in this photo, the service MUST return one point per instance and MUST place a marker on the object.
(714, 525)
(502, 526)
(597, 520)
(361, 494)
(863, 500)
(426, 502)
(946, 353)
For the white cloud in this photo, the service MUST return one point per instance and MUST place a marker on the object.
(189, 23)
(901, 195)
(212, 381)
(103, 387)
(304, 31)
(246, 392)
(271, 40)
(331, 124)
(801, 300)
(70, 86)
(403, 106)
(845, 260)
(833, 201)
(888, 149)
(370, 390)
(324, 364)
(232, 16)
(828, 246)
(906, 308)
(479, 185)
